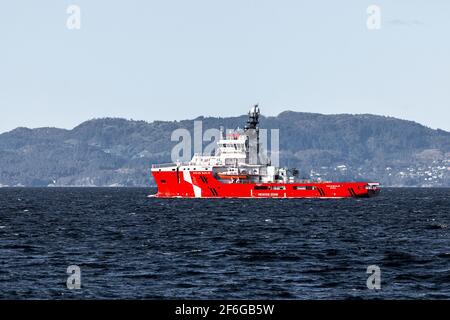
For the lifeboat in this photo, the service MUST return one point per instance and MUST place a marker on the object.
(232, 176)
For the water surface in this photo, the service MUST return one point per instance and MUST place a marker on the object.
(130, 246)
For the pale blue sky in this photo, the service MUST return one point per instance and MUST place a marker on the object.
(166, 60)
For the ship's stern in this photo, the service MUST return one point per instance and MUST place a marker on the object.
(372, 189)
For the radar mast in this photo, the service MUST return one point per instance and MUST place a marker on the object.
(251, 129)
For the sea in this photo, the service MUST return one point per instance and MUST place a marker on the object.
(123, 244)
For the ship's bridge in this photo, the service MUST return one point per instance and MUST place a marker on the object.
(232, 149)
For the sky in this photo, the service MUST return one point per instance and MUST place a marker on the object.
(178, 59)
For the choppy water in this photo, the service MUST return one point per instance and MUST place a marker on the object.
(130, 246)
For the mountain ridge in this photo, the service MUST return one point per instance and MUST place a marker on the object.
(119, 152)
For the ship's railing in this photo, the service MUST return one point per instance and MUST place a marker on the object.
(305, 181)
(164, 165)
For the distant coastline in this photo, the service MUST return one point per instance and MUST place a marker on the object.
(113, 152)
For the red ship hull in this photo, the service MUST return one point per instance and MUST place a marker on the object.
(203, 184)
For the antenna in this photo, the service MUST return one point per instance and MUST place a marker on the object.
(253, 118)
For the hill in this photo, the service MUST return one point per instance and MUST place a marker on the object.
(119, 152)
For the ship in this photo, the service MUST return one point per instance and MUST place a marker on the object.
(237, 170)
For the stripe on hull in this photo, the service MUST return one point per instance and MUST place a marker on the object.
(197, 190)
